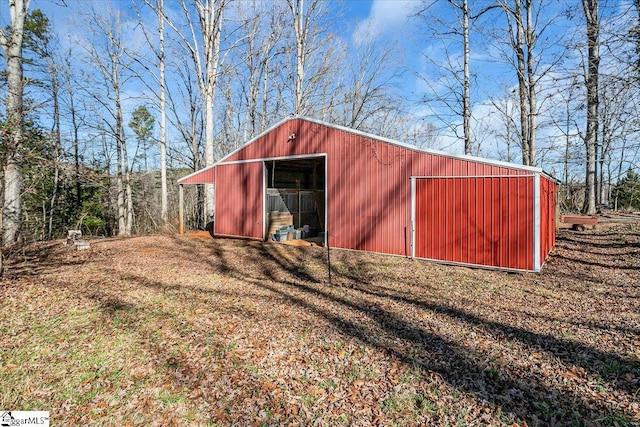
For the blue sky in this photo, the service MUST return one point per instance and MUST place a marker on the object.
(420, 52)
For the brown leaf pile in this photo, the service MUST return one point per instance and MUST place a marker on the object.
(170, 330)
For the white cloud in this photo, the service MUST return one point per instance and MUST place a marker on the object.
(384, 16)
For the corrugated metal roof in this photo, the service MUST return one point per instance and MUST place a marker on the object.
(375, 137)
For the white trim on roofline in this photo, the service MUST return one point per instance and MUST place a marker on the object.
(278, 158)
(422, 150)
(472, 176)
(251, 141)
(483, 160)
(179, 182)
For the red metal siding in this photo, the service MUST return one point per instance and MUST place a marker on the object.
(239, 200)
(206, 176)
(369, 197)
(483, 221)
(368, 189)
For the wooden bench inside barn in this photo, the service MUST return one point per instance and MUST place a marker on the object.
(579, 222)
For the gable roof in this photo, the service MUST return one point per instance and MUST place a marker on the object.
(533, 169)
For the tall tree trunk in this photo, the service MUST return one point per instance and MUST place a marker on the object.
(158, 8)
(122, 172)
(120, 198)
(164, 213)
(523, 91)
(522, 43)
(600, 158)
(591, 137)
(11, 42)
(58, 148)
(125, 205)
(531, 84)
(76, 154)
(466, 96)
(265, 97)
(210, 18)
(567, 151)
(12, 209)
(301, 31)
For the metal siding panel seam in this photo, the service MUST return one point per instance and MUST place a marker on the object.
(326, 198)
(215, 201)
(442, 214)
(536, 223)
(472, 221)
(449, 188)
(518, 197)
(443, 193)
(435, 216)
(522, 223)
(264, 201)
(521, 241)
(457, 247)
(495, 223)
(430, 209)
(464, 204)
(413, 217)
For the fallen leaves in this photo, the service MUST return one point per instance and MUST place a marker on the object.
(165, 330)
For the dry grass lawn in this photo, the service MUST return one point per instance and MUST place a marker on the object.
(172, 330)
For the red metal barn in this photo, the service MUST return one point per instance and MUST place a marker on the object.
(374, 194)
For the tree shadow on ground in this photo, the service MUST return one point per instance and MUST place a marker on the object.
(603, 264)
(525, 395)
(611, 240)
(32, 259)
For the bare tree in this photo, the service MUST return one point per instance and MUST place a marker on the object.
(305, 22)
(506, 107)
(522, 40)
(368, 85)
(186, 115)
(11, 41)
(455, 94)
(565, 120)
(264, 29)
(618, 93)
(590, 8)
(532, 62)
(466, 83)
(109, 56)
(301, 29)
(69, 99)
(203, 45)
(159, 53)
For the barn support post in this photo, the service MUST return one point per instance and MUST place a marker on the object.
(181, 208)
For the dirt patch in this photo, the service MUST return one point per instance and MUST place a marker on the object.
(223, 331)
(205, 235)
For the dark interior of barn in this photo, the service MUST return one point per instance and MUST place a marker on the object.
(296, 195)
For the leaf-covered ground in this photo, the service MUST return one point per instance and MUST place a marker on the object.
(172, 330)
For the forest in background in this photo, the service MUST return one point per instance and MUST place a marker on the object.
(99, 123)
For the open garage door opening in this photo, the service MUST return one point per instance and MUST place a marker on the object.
(295, 196)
